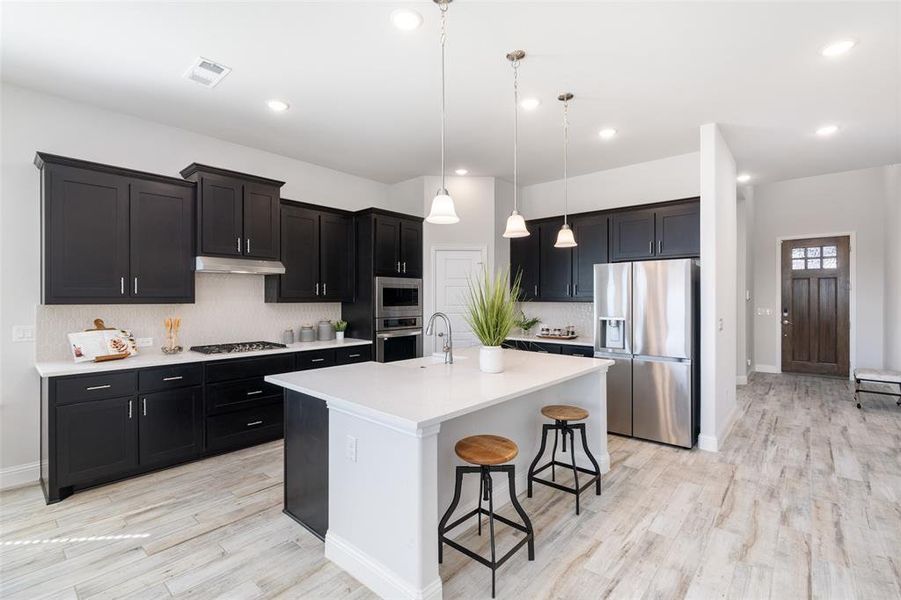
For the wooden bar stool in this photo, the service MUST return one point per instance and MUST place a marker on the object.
(488, 453)
(562, 415)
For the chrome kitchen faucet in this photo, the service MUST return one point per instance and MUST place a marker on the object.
(448, 347)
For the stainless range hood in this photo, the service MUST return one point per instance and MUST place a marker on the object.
(218, 264)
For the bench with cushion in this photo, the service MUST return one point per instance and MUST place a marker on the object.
(882, 376)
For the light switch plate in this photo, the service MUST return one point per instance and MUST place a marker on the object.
(23, 333)
(350, 448)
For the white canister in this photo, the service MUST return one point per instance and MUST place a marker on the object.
(491, 359)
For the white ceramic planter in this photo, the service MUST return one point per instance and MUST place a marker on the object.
(491, 359)
(339, 335)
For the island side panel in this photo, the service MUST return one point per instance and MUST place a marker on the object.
(520, 420)
(383, 506)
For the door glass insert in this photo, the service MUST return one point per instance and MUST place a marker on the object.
(830, 263)
(797, 252)
(813, 253)
(798, 265)
(813, 263)
(830, 251)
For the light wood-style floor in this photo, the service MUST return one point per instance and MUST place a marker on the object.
(804, 501)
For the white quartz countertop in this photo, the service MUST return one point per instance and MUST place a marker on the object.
(422, 392)
(579, 341)
(156, 358)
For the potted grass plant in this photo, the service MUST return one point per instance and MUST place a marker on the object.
(340, 328)
(491, 313)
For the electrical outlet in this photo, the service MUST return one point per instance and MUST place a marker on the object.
(350, 448)
(144, 342)
(23, 333)
(748, 361)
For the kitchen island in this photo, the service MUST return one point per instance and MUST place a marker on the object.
(390, 448)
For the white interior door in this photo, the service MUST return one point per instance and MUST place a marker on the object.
(453, 270)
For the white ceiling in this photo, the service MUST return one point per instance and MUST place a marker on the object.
(365, 96)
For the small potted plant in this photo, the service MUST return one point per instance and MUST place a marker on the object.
(340, 328)
(491, 313)
(527, 323)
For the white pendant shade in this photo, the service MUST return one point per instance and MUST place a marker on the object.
(443, 211)
(516, 226)
(565, 238)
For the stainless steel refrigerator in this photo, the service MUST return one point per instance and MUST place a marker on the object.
(646, 319)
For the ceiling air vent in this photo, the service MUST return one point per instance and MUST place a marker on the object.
(206, 72)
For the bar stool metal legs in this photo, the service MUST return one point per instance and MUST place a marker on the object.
(564, 428)
(486, 493)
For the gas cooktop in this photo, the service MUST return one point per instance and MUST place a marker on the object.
(237, 347)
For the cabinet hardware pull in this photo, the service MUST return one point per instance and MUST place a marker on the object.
(317, 360)
(255, 392)
(136, 285)
(252, 423)
(324, 289)
(239, 244)
(659, 246)
(98, 387)
(129, 409)
(536, 289)
(247, 243)
(405, 267)
(122, 286)
(651, 247)
(353, 356)
(175, 378)
(567, 289)
(575, 289)
(317, 289)
(144, 406)
(398, 266)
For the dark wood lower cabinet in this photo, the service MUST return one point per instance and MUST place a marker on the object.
(96, 440)
(170, 426)
(306, 461)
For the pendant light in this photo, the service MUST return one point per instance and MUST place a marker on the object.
(443, 211)
(565, 238)
(516, 225)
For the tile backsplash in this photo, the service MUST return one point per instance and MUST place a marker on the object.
(227, 308)
(561, 314)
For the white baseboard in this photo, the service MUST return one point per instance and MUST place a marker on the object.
(713, 443)
(708, 443)
(20, 475)
(374, 575)
(767, 368)
(741, 380)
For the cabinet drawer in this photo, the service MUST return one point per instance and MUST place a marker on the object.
(245, 427)
(315, 359)
(587, 351)
(95, 387)
(245, 368)
(545, 348)
(232, 395)
(354, 354)
(167, 378)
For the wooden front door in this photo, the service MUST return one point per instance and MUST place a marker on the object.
(815, 299)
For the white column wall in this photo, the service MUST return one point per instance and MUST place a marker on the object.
(893, 267)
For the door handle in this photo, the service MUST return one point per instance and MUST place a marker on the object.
(786, 322)
(238, 239)
(398, 266)
(536, 289)
(575, 289)
(252, 423)
(353, 356)
(317, 360)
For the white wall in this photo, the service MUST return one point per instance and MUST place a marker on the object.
(33, 121)
(893, 267)
(643, 183)
(718, 288)
(745, 282)
(849, 202)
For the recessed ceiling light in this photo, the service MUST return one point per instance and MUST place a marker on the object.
(530, 103)
(607, 133)
(277, 105)
(406, 19)
(743, 178)
(837, 48)
(827, 130)
(461, 171)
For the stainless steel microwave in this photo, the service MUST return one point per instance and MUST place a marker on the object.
(398, 297)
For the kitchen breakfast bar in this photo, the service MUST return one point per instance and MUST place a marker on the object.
(372, 445)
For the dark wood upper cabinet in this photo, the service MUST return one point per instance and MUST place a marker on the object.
(336, 252)
(238, 214)
(632, 235)
(170, 425)
(162, 242)
(114, 235)
(220, 217)
(590, 232)
(678, 230)
(387, 245)
(411, 248)
(317, 249)
(96, 440)
(261, 221)
(525, 261)
(556, 263)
